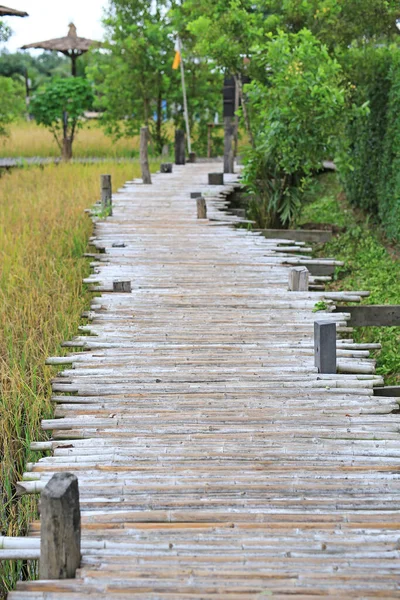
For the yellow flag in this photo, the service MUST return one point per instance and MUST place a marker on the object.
(178, 58)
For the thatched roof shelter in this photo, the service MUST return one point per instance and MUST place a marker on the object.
(11, 12)
(70, 45)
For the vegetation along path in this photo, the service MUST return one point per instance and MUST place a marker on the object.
(213, 460)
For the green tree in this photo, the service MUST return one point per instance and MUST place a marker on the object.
(12, 103)
(135, 81)
(134, 78)
(60, 106)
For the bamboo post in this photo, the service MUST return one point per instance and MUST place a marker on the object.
(201, 208)
(180, 147)
(122, 286)
(299, 278)
(325, 346)
(229, 154)
(106, 192)
(216, 179)
(60, 545)
(144, 158)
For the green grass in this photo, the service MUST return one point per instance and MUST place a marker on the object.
(43, 234)
(370, 264)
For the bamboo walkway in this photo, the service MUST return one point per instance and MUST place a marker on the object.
(213, 460)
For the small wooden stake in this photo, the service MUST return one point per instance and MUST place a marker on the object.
(106, 192)
(60, 547)
(124, 286)
(201, 208)
(144, 158)
(180, 147)
(325, 346)
(192, 157)
(166, 168)
(216, 179)
(298, 279)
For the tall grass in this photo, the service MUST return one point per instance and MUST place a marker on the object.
(29, 139)
(43, 233)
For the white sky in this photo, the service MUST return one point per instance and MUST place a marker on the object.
(49, 19)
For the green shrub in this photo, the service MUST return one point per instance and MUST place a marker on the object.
(297, 114)
(374, 140)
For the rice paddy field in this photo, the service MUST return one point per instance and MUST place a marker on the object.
(43, 235)
(27, 139)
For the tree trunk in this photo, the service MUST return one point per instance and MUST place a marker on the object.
(229, 132)
(67, 149)
(236, 131)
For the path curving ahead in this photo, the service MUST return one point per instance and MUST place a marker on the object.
(213, 461)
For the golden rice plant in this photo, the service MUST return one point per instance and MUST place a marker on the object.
(43, 234)
(27, 139)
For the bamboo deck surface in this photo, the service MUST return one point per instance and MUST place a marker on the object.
(213, 460)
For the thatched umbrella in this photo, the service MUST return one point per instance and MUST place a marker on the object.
(11, 12)
(71, 45)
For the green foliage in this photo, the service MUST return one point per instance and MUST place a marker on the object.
(60, 107)
(5, 32)
(12, 103)
(224, 31)
(374, 139)
(34, 71)
(136, 82)
(320, 306)
(336, 23)
(389, 181)
(368, 266)
(296, 115)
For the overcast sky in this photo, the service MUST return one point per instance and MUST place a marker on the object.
(50, 19)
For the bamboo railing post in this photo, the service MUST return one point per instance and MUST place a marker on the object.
(201, 208)
(122, 286)
(144, 157)
(215, 179)
(60, 545)
(166, 168)
(299, 278)
(106, 192)
(180, 157)
(325, 346)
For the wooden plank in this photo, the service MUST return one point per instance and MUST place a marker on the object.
(298, 235)
(392, 391)
(373, 315)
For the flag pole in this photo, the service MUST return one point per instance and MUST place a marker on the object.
(185, 104)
